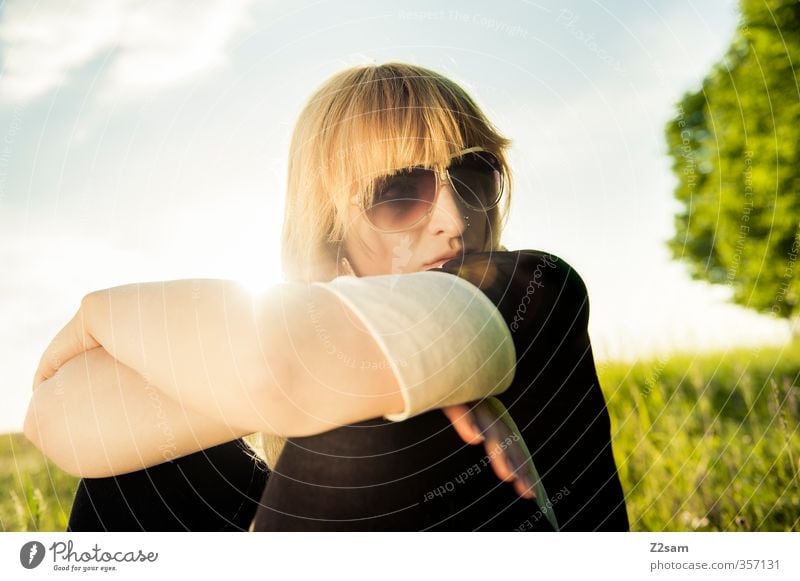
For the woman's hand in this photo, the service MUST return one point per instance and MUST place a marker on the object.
(489, 422)
(69, 342)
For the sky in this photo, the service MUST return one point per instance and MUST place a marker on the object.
(148, 141)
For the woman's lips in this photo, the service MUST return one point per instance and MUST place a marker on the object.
(439, 263)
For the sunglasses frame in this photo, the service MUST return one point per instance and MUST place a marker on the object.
(442, 178)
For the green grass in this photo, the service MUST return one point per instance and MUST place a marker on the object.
(708, 443)
(37, 495)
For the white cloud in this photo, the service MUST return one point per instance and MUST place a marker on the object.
(44, 42)
(154, 44)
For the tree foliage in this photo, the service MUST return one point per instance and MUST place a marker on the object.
(734, 144)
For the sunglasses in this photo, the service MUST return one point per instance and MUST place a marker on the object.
(404, 199)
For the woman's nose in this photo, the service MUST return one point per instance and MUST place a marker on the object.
(448, 213)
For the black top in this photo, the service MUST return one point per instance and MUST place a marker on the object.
(419, 475)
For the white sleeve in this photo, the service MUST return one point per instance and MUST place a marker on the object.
(445, 340)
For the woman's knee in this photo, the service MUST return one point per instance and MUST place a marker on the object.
(374, 447)
(372, 475)
(213, 489)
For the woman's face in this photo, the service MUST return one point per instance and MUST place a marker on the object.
(451, 230)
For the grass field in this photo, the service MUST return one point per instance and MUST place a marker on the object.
(707, 443)
(36, 495)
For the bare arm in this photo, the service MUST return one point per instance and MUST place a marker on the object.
(97, 417)
(260, 362)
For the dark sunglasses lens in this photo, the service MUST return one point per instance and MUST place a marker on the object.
(478, 178)
(400, 200)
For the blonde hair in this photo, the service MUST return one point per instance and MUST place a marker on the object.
(362, 123)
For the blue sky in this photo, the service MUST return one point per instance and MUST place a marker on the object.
(148, 141)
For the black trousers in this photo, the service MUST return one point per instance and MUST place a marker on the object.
(374, 475)
(216, 489)
(415, 475)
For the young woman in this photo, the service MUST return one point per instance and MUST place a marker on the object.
(400, 300)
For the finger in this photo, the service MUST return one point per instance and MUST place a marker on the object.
(523, 472)
(40, 378)
(487, 419)
(524, 488)
(454, 411)
(51, 358)
(70, 341)
(510, 461)
(490, 425)
(517, 460)
(49, 362)
(498, 461)
(519, 476)
(520, 464)
(461, 418)
(43, 372)
(492, 428)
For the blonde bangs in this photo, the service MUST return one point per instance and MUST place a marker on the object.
(361, 124)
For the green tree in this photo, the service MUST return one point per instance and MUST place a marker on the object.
(734, 144)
